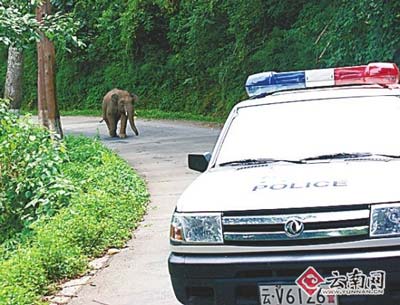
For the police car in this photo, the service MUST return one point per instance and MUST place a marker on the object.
(299, 202)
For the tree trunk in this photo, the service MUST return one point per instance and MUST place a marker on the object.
(13, 85)
(49, 115)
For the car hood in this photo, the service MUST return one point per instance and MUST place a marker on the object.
(287, 185)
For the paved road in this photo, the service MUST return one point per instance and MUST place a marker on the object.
(138, 275)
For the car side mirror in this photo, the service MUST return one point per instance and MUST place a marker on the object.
(199, 162)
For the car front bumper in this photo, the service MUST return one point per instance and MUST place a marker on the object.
(233, 279)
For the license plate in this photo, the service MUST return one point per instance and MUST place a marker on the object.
(292, 295)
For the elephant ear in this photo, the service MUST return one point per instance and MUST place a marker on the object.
(134, 96)
(114, 98)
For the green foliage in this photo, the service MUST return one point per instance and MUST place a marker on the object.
(31, 184)
(108, 201)
(194, 56)
(19, 27)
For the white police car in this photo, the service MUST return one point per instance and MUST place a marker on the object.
(299, 202)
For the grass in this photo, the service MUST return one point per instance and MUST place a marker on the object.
(146, 114)
(158, 114)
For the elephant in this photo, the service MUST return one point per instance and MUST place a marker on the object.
(118, 104)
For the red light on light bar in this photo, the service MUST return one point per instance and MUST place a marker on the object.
(374, 73)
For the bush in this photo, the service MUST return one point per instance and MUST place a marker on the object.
(97, 210)
(31, 183)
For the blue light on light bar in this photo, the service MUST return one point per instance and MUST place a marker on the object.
(268, 82)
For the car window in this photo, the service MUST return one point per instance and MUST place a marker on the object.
(304, 129)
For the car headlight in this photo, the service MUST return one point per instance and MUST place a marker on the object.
(385, 220)
(196, 228)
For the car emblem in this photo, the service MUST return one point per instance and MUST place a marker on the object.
(294, 227)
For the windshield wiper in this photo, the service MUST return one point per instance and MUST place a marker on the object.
(258, 161)
(387, 156)
(341, 155)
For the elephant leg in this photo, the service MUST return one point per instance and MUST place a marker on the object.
(122, 130)
(107, 122)
(112, 126)
(105, 115)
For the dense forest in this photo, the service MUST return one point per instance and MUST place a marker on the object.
(195, 55)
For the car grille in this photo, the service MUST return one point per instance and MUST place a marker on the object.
(318, 226)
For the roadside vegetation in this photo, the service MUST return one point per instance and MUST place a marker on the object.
(194, 56)
(146, 114)
(61, 203)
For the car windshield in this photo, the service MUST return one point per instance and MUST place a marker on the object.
(306, 129)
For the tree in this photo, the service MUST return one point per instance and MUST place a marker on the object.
(13, 85)
(49, 115)
(18, 29)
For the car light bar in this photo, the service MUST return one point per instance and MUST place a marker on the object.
(373, 73)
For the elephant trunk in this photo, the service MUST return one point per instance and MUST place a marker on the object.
(130, 114)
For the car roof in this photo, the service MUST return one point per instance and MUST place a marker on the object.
(321, 93)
